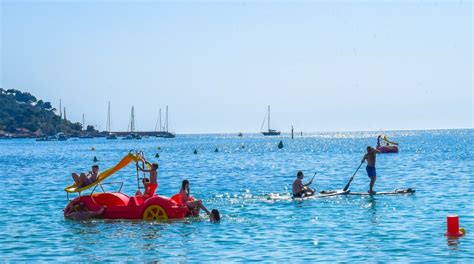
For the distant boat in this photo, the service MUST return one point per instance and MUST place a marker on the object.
(7, 136)
(61, 136)
(83, 126)
(240, 134)
(43, 138)
(168, 135)
(132, 134)
(163, 132)
(109, 135)
(269, 132)
(86, 136)
(388, 147)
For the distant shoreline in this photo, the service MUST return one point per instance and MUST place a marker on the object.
(297, 134)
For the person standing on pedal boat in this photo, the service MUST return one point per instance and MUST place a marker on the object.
(152, 184)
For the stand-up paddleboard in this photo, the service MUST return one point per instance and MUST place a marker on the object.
(276, 196)
(394, 192)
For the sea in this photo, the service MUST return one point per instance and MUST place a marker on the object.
(238, 179)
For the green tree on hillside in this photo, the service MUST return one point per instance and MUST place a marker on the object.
(21, 110)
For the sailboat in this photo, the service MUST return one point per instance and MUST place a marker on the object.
(167, 133)
(158, 126)
(60, 136)
(164, 133)
(132, 134)
(109, 134)
(84, 135)
(270, 132)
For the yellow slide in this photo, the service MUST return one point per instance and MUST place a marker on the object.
(105, 174)
(385, 138)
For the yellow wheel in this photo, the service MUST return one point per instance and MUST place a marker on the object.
(155, 212)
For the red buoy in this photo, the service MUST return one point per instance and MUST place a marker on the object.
(453, 226)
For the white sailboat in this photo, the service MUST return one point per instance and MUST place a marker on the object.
(164, 132)
(269, 132)
(132, 134)
(167, 133)
(109, 134)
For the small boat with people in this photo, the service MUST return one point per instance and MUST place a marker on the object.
(116, 205)
(386, 146)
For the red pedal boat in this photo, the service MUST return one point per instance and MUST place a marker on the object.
(121, 206)
(390, 146)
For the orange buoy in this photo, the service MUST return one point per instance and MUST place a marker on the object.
(453, 226)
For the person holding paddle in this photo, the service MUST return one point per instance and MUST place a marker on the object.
(370, 157)
(301, 190)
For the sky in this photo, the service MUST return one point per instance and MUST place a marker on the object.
(322, 66)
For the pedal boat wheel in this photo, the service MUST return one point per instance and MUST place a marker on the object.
(155, 213)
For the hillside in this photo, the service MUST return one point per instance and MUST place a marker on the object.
(22, 114)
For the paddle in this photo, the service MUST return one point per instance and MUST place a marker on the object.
(350, 180)
(309, 183)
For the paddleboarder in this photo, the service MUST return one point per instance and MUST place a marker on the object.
(299, 189)
(370, 168)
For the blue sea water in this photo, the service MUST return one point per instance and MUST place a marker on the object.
(238, 180)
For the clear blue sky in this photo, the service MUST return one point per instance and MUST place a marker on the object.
(321, 66)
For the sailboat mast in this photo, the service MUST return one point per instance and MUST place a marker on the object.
(83, 123)
(132, 122)
(268, 118)
(108, 118)
(60, 116)
(166, 118)
(161, 128)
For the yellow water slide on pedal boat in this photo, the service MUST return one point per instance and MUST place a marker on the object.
(105, 174)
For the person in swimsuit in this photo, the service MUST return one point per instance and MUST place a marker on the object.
(152, 184)
(215, 216)
(299, 189)
(86, 179)
(370, 157)
(195, 205)
(79, 212)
